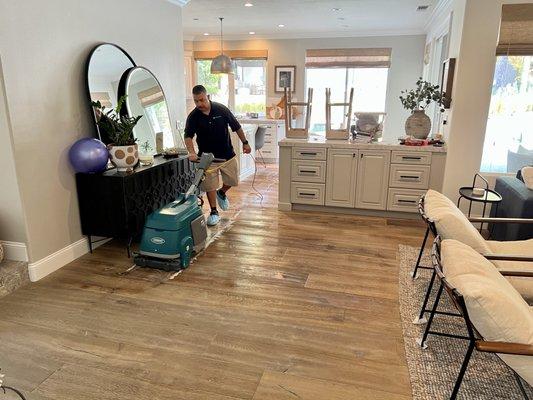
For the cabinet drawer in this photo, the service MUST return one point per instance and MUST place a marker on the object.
(409, 176)
(411, 157)
(269, 152)
(309, 153)
(308, 193)
(405, 200)
(308, 171)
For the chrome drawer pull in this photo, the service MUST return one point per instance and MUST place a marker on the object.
(307, 154)
(305, 171)
(411, 158)
(407, 201)
(306, 194)
(409, 177)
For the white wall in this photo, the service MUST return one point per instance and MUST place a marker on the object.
(12, 223)
(406, 65)
(44, 46)
(474, 35)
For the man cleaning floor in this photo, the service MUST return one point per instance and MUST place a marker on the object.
(209, 122)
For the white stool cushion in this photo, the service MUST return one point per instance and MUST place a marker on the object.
(518, 248)
(451, 223)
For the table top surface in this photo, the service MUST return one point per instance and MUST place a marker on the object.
(490, 196)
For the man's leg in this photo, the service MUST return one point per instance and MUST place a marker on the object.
(230, 178)
(210, 186)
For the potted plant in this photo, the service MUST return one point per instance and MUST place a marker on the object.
(146, 155)
(418, 124)
(123, 150)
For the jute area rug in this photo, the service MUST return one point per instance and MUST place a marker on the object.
(433, 371)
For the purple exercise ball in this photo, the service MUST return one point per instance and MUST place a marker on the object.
(88, 155)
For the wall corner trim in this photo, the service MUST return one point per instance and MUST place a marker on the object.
(15, 251)
(45, 266)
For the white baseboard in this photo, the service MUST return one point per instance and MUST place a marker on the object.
(15, 251)
(45, 266)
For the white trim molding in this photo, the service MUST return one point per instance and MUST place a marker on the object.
(15, 251)
(45, 266)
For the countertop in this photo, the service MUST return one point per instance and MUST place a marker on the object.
(357, 144)
(262, 120)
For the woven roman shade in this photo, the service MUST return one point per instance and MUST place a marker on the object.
(102, 97)
(151, 96)
(355, 58)
(516, 30)
(233, 54)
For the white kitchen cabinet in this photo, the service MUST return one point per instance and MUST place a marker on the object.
(372, 179)
(275, 131)
(341, 177)
(246, 162)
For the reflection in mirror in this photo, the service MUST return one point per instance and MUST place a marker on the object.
(145, 97)
(106, 64)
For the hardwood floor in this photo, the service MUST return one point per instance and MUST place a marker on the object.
(283, 306)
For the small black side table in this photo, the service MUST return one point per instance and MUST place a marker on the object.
(490, 197)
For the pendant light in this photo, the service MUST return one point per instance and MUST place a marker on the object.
(221, 64)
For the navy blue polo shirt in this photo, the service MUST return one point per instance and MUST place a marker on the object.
(212, 135)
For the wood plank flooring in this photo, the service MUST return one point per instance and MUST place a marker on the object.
(295, 305)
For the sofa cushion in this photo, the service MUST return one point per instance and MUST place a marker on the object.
(450, 221)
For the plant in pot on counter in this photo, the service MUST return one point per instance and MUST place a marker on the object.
(417, 100)
(123, 150)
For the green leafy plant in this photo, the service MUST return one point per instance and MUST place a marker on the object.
(119, 128)
(422, 96)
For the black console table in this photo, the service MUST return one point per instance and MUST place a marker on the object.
(115, 204)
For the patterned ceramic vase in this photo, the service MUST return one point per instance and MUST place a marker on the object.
(418, 125)
(124, 157)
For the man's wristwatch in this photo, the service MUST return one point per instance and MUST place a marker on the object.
(245, 142)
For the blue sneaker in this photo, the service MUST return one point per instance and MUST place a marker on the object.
(222, 200)
(213, 219)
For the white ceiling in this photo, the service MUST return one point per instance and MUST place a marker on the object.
(304, 18)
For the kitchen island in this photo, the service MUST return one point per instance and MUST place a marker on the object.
(354, 176)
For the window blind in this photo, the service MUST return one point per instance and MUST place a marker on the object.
(151, 96)
(516, 30)
(102, 97)
(346, 58)
(233, 54)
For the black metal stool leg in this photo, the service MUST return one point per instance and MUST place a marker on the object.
(520, 385)
(420, 253)
(462, 370)
(421, 319)
(422, 341)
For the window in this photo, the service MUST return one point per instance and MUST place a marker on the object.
(370, 89)
(364, 70)
(243, 91)
(509, 134)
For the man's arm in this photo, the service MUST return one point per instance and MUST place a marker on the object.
(245, 147)
(190, 148)
(189, 135)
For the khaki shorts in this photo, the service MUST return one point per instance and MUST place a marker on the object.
(229, 171)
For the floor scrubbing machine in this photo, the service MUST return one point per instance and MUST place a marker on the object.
(173, 233)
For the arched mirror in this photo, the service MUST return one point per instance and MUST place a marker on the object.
(145, 97)
(105, 66)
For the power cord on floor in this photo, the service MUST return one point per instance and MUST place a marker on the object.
(257, 192)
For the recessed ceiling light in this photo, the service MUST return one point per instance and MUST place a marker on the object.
(336, 9)
(281, 26)
(206, 34)
(248, 5)
(251, 33)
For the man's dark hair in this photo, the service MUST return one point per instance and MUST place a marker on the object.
(199, 89)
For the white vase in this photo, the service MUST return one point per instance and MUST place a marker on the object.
(125, 158)
(418, 125)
